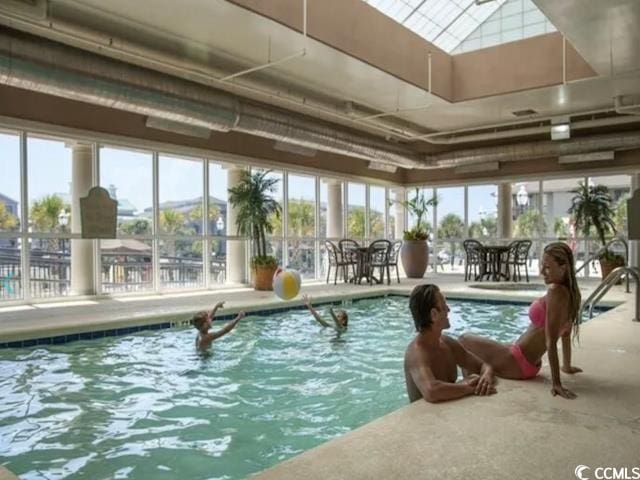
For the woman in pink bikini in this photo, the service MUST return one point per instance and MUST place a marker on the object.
(552, 317)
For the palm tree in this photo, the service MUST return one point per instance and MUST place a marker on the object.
(171, 221)
(451, 227)
(530, 224)
(253, 199)
(8, 221)
(418, 206)
(301, 215)
(45, 215)
(591, 208)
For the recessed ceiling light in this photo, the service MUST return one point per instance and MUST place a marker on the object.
(561, 131)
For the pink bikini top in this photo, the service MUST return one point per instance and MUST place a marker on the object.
(538, 316)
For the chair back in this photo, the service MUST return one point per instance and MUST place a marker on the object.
(394, 252)
(512, 254)
(522, 250)
(474, 251)
(348, 249)
(333, 252)
(379, 252)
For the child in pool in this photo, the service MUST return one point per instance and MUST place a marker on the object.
(340, 317)
(202, 322)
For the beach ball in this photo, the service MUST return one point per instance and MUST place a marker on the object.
(286, 283)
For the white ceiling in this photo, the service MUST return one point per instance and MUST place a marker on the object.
(228, 38)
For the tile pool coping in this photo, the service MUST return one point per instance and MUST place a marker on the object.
(163, 324)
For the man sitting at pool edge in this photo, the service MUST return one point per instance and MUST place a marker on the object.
(431, 359)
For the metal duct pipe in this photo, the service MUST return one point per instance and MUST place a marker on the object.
(75, 74)
(534, 150)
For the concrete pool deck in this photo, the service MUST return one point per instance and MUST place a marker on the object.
(79, 315)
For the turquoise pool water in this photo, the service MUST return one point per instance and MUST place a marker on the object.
(148, 406)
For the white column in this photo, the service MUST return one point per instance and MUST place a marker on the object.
(399, 209)
(82, 267)
(634, 245)
(334, 209)
(236, 249)
(504, 210)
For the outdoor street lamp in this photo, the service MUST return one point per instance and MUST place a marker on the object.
(522, 198)
(63, 221)
(219, 225)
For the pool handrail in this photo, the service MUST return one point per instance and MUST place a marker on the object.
(606, 285)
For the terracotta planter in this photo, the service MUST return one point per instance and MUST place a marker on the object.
(607, 266)
(263, 277)
(415, 257)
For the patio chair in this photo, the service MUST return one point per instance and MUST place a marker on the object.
(476, 260)
(392, 261)
(377, 257)
(518, 256)
(349, 252)
(336, 261)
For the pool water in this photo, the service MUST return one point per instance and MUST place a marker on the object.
(149, 406)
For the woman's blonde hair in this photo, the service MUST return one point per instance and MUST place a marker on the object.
(563, 255)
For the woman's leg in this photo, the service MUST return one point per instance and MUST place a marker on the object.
(494, 353)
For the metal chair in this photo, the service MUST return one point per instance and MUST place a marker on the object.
(377, 257)
(394, 253)
(476, 260)
(518, 256)
(349, 252)
(335, 260)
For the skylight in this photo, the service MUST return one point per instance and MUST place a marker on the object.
(445, 23)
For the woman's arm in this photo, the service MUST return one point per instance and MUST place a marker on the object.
(557, 301)
(566, 355)
(316, 315)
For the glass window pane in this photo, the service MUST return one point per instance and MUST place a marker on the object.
(620, 190)
(128, 175)
(218, 197)
(9, 183)
(528, 223)
(218, 261)
(376, 211)
(180, 192)
(302, 257)
(394, 210)
(10, 269)
(482, 211)
(181, 264)
(126, 265)
(355, 211)
(275, 220)
(49, 166)
(50, 267)
(451, 231)
(427, 220)
(556, 202)
(301, 209)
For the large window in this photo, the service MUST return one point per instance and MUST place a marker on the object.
(218, 201)
(301, 224)
(377, 208)
(181, 222)
(49, 187)
(127, 261)
(10, 252)
(482, 212)
(356, 211)
(451, 229)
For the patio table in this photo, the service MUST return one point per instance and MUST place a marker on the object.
(494, 255)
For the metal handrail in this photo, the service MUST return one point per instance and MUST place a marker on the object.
(606, 285)
(595, 256)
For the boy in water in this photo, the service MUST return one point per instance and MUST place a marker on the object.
(340, 317)
(202, 322)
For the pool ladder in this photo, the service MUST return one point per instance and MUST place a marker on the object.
(615, 275)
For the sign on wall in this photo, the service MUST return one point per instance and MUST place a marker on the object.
(633, 213)
(98, 214)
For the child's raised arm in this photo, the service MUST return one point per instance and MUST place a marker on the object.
(216, 307)
(307, 301)
(227, 328)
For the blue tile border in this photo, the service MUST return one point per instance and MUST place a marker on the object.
(117, 332)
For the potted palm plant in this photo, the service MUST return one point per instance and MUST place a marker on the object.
(591, 207)
(415, 252)
(254, 203)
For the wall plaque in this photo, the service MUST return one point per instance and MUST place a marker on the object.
(633, 214)
(98, 214)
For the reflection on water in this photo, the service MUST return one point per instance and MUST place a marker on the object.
(150, 406)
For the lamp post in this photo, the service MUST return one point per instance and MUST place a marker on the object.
(219, 226)
(63, 221)
(522, 198)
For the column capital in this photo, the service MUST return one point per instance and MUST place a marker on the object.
(77, 145)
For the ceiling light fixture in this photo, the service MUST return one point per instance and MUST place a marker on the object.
(560, 128)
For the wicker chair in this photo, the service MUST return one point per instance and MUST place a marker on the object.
(349, 252)
(336, 261)
(394, 253)
(476, 260)
(518, 256)
(377, 257)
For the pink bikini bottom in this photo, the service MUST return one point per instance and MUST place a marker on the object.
(528, 370)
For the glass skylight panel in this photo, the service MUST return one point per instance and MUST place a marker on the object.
(446, 23)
